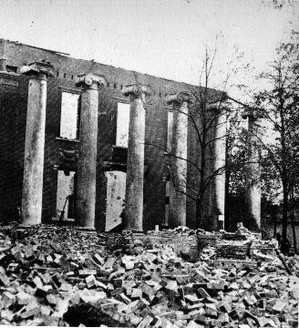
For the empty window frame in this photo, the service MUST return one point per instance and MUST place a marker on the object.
(116, 193)
(65, 194)
(69, 115)
(12, 69)
(122, 124)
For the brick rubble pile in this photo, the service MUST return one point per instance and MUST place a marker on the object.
(60, 277)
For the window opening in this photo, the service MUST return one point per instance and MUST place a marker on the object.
(122, 124)
(69, 115)
(65, 199)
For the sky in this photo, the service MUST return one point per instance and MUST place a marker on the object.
(166, 38)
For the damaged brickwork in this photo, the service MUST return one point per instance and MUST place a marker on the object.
(14, 101)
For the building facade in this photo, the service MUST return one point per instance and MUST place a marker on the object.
(95, 137)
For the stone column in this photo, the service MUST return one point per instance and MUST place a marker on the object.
(178, 160)
(133, 219)
(87, 161)
(2, 56)
(2, 64)
(253, 172)
(219, 165)
(31, 209)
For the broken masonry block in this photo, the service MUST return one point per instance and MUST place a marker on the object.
(225, 307)
(145, 322)
(123, 298)
(146, 289)
(117, 283)
(211, 310)
(237, 314)
(7, 299)
(90, 281)
(279, 305)
(7, 317)
(46, 278)
(203, 293)
(55, 247)
(109, 263)
(30, 310)
(56, 280)
(135, 319)
(85, 273)
(101, 285)
(97, 258)
(49, 259)
(172, 285)
(223, 318)
(117, 291)
(193, 324)
(192, 298)
(23, 298)
(38, 282)
(136, 293)
(45, 310)
(51, 299)
(4, 280)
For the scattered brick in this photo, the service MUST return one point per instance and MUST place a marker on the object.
(56, 274)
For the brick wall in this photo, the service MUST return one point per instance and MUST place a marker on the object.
(13, 100)
(12, 131)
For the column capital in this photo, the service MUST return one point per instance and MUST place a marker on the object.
(218, 107)
(38, 68)
(137, 90)
(91, 81)
(253, 113)
(179, 98)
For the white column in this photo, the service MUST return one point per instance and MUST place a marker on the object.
(253, 192)
(31, 209)
(219, 165)
(87, 161)
(178, 159)
(133, 219)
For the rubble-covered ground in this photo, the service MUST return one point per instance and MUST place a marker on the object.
(57, 276)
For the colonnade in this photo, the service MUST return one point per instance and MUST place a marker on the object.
(31, 209)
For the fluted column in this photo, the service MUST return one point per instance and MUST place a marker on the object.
(253, 172)
(87, 161)
(133, 219)
(219, 166)
(178, 160)
(31, 210)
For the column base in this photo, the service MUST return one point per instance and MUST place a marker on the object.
(138, 234)
(24, 226)
(86, 229)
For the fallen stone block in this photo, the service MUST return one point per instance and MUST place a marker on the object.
(23, 298)
(279, 305)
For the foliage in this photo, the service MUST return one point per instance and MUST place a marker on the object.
(237, 153)
(280, 103)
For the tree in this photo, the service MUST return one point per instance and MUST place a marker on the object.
(207, 132)
(279, 101)
(236, 161)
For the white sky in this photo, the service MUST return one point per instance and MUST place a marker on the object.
(165, 38)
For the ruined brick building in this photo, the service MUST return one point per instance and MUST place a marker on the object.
(65, 139)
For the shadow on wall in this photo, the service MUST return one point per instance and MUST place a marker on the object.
(9, 214)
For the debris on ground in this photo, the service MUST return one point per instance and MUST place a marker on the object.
(58, 276)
